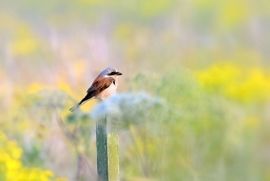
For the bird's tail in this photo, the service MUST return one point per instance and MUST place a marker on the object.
(87, 97)
(75, 107)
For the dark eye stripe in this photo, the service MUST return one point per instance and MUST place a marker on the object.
(115, 73)
(112, 73)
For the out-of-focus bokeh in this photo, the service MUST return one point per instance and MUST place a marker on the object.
(207, 62)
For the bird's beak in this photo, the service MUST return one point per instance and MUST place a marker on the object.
(118, 73)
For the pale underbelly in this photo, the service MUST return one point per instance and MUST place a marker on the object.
(107, 92)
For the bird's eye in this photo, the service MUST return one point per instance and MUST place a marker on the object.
(115, 73)
(112, 73)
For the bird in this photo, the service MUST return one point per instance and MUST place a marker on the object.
(104, 86)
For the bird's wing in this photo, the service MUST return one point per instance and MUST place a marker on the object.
(100, 84)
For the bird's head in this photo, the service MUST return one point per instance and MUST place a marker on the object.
(110, 72)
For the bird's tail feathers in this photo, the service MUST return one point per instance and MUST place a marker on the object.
(87, 97)
(75, 107)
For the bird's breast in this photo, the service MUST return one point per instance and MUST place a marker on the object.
(111, 90)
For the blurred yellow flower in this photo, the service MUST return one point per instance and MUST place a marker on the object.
(233, 12)
(64, 86)
(241, 84)
(216, 77)
(34, 88)
(12, 169)
(25, 42)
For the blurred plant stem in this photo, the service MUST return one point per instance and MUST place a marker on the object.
(82, 162)
(113, 156)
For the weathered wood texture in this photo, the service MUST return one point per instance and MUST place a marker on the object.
(107, 144)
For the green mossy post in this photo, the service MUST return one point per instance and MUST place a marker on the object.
(102, 152)
(107, 152)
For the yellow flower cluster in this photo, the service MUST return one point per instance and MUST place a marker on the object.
(246, 85)
(11, 168)
(25, 42)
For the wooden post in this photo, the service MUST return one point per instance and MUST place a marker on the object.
(107, 143)
(102, 154)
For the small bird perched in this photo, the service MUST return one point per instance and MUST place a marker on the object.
(104, 85)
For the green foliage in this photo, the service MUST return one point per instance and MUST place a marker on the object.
(202, 65)
(205, 138)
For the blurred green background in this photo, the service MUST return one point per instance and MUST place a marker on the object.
(207, 60)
